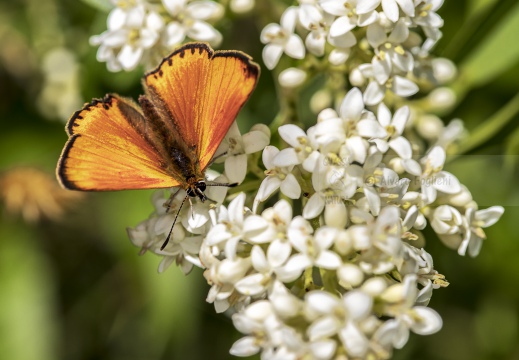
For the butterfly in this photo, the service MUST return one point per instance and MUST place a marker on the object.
(170, 137)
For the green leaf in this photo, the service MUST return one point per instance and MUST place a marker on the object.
(101, 5)
(496, 54)
(492, 126)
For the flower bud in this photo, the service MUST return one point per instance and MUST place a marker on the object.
(350, 275)
(292, 77)
(444, 70)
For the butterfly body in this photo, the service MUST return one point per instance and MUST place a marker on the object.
(169, 138)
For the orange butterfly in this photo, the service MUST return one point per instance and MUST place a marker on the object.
(190, 101)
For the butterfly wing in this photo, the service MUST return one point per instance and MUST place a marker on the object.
(201, 91)
(109, 149)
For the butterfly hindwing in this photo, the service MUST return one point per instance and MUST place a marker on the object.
(110, 148)
(200, 93)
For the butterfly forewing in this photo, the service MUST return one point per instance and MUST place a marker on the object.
(201, 92)
(109, 149)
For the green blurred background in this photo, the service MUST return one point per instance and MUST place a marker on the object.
(73, 286)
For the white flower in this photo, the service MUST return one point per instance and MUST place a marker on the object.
(340, 35)
(400, 299)
(229, 229)
(189, 19)
(347, 16)
(401, 86)
(433, 179)
(237, 147)
(394, 127)
(390, 58)
(304, 145)
(328, 189)
(257, 321)
(446, 220)
(131, 31)
(312, 250)
(384, 249)
(279, 165)
(477, 220)
(454, 131)
(281, 38)
(271, 227)
(223, 276)
(318, 23)
(340, 316)
(428, 19)
(390, 7)
(344, 132)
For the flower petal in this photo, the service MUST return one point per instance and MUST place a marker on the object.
(268, 186)
(271, 55)
(352, 105)
(313, 207)
(290, 187)
(341, 26)
(254, 141)
(246, 346)
(429, 323)
(236, 168)
(365, 6)
(278, 252)
(291, 134)
(404, 87)
(390, 9)
(374, 93)
(489, 216)
(295, 47)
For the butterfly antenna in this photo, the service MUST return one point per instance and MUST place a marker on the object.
(174, 221)
(223, 184)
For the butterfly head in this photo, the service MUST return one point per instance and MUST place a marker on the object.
(196, 188)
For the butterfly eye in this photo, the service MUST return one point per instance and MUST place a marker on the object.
(191, 192)
(201, 186)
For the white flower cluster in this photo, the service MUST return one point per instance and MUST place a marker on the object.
(335, 266)
(146, 30)
(389, 56)
(348, 276)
